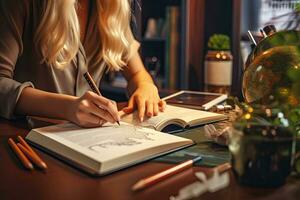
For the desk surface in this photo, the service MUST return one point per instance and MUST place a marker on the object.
(62, 181)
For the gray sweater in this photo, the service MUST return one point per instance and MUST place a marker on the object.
(21, 66)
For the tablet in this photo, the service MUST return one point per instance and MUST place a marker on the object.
(195, 100)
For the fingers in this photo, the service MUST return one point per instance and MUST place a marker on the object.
(155, 109)
(105, 104)
(130, 106)
(152, 108)
(149, 105)
(89, 120)
(162, 105)
(141, 108)
(94, 121)
(99, 112)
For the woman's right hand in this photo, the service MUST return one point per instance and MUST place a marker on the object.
(92, 110)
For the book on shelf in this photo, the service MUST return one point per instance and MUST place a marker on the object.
(175, 116)
(106, 149)
(172, 49)
(155, 29)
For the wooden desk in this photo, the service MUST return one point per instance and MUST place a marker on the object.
(62, 181)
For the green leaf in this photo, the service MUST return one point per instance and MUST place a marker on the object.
(219, 42)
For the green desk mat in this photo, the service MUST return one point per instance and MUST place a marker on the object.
(212, 153)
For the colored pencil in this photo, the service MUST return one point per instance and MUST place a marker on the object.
(27, 164)
(151, 180)
(27, 146)
(36, 160)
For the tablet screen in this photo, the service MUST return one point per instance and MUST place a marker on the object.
(192, 99)
(195, 99)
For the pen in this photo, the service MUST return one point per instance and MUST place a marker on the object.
(27, 164)
(251, 38)
(93, 85)
(37, 160)
(151, 180)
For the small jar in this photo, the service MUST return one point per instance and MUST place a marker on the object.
(218, 71)
(261, 154)
(297, 156)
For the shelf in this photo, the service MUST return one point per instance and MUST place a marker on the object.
(198, 21)
(146, 40)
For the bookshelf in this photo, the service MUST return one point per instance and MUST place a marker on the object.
(174, 75)
(198, 19)
(155, 47)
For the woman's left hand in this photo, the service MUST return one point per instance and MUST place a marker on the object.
(147, 101)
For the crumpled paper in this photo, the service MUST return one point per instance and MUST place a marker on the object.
(215, 183)
(220, 135)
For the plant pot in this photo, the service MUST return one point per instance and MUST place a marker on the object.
(261, 155)
(218, 71)
(297, 157)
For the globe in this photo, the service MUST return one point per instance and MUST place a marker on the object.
(274, 70)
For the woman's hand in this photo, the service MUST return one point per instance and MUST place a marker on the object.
(147, 101)
(92, 110)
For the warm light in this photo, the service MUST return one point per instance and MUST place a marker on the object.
(268, 112)
(247, 116)
(264, 132)
(218, 55)
(283, 91)
(250, 109)
(293, 100)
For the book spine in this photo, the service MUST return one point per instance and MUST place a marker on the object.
(173, 14)
(167, 48)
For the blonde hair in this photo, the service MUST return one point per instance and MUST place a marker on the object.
(58, 33)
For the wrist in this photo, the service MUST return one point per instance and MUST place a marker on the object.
(68, 107)
(145, 83)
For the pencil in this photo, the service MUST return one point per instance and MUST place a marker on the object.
(223, 167)
(26, 145)
(151, 180)
(27, 164)
(93, 85)
(32, 157)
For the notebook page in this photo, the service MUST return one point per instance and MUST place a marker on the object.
(170, 113)
(189, 115)
(108, 142)
(151, 122)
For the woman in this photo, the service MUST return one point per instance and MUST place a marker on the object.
(47, 45)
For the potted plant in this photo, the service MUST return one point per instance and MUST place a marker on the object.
(218, 64)
(261, 144)
(263, 140)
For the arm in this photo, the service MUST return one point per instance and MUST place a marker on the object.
(22, 98)
(136, 74)
(90, 110)
(40, 103)
(144, 94)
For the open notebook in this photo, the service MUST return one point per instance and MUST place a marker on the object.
(174, 115)
(105, 149)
